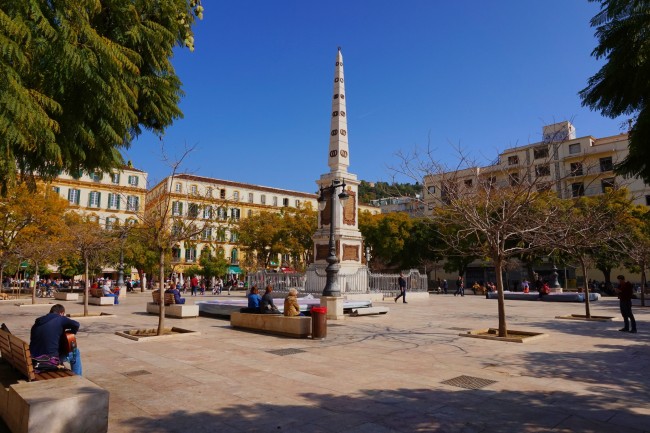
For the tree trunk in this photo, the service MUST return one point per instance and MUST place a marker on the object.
(86, 287)
(583, 265)
(643, 283)
(161, 276)
(607, 273)
(498, 268)
(140, 275)
(35, 282)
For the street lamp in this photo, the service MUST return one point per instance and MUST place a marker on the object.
(120, 267)
(332, 269)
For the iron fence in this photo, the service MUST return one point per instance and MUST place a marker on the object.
(359, 282)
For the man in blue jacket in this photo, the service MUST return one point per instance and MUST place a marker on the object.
(46, 336)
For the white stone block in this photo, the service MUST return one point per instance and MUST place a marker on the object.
(179, 311)
(68, 405)
(104, 300)
(66, 296)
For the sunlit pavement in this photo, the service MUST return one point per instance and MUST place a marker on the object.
(373, 373)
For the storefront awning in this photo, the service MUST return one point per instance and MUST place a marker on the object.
(234, 270)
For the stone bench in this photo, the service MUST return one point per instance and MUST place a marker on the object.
(368, 311)
(172, 309)
(95, 297)
(297, 326)
(66, 296)
(180, 311)
(49, 401)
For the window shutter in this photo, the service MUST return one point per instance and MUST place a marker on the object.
(99, 199)
(69, 194)
(78, 196)
(117, 201)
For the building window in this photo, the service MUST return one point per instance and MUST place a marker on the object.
(235, 195)
(110, 222)
(606, 164)
(194, 189)
(133, 203)
(263, 199)
(193, 210)
(647, 200)
(540, 152)
(73, 196)
(221, 213)
(131, 222)
(177, 208)
(542, 170)
(115, 178)
(577, 189)
(178, 187)
(56, 189)
(233, 256)
(574, 148)
(297, 203)
(250, 213)
(285, 202)
(610, 182)
(176, 254)
(208, 192)
(207, 212)
(576, 169)
(431, 190)
(96, 177)
(514, 179)
(513, 160)
(190, 254)
(275, 201)
(133, 180)
(222, 194)
(234, 236)
(468, 183)
(235, 214)
(221, 235)
(94, 199)
(113, 201)
(206, 235)
(250, 197)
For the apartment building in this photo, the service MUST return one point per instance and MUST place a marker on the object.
(219, 205)
(110, 199)
(572, 166)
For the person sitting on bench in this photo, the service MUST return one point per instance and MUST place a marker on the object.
(46, 337)
(106, 291)
(177, 294)
(254, 300)
(291, 306)
(267, 306)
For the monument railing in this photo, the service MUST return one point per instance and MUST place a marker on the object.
(360, 282)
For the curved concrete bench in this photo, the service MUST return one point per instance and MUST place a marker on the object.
(179, 311)
(298, 326)
(66, 296)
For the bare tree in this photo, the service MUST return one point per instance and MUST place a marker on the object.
(164, 226)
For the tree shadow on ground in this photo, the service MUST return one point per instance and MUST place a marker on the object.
(405, 410)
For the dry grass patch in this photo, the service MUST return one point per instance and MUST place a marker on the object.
(149, 334)
(512, 337)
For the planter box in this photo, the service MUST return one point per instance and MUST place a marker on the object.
(104, 300)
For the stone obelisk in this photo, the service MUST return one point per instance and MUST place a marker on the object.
(352, 275)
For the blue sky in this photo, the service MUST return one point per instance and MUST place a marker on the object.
(481, 75)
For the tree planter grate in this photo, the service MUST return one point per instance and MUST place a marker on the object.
(469, 382)
(136, 373)
(285, 352)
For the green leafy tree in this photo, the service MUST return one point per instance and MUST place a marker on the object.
(300, 224)
(622, 85)
(262, 236)
(80, 79)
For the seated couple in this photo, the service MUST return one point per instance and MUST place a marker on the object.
(177, 294)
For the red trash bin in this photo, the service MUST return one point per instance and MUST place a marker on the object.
(318, 322)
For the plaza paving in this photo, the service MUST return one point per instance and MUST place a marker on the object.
(372, 374)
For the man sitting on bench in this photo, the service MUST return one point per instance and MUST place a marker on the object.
(177, 294)
(46, 336)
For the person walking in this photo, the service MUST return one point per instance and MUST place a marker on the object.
(445, 286)
(194, 285)
(460, 286)
(401, 281)
(625, 292)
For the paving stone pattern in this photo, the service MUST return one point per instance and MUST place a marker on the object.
(391, 373)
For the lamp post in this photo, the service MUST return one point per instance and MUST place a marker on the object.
(332, 269)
